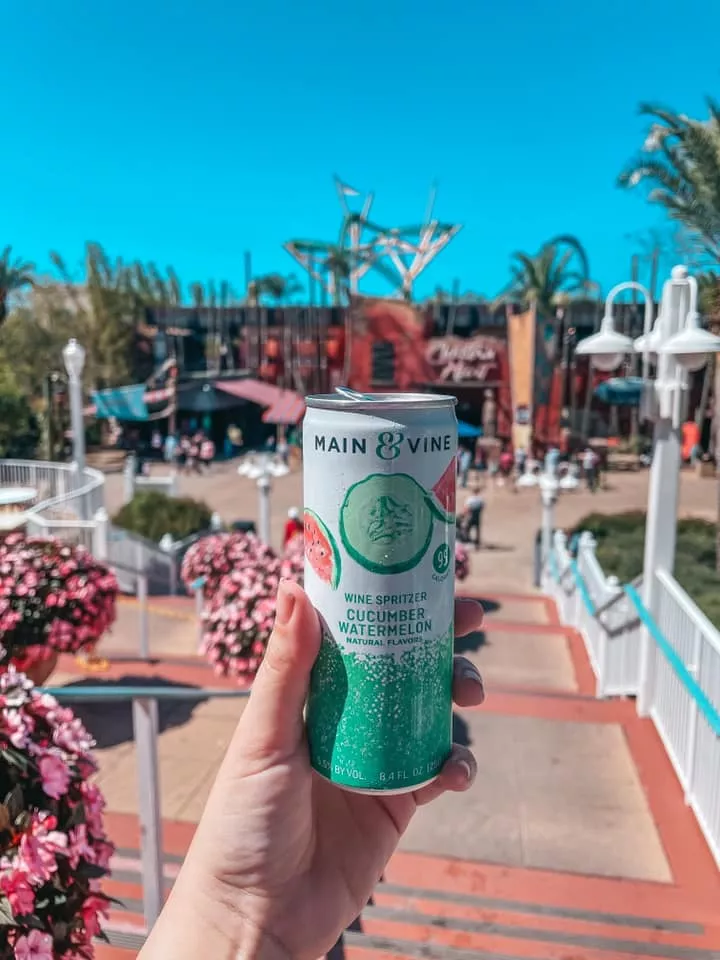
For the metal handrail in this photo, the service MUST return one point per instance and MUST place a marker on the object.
(145, 733)
(119, 692)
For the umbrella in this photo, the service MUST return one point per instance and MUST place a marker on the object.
(621, 391)
(467, 430)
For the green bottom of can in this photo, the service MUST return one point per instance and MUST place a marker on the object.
(368, 792)
(381, 723)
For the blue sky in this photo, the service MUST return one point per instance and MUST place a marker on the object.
(187, 132)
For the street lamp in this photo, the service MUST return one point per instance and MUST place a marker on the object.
(677, 346)
(74, 359)
(549, 490)
(262, 469)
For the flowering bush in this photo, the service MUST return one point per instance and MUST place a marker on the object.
(462, 562)
(293, 561)
(53, 597)
(216, 556)
(241, 610)
(241, 577)
(53, 847)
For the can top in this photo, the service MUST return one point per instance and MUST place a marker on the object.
(346, 399)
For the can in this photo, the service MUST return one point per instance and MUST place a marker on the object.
(380, 480)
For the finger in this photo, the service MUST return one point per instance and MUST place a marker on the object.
(457, 775)
(467, 685)
(468, 616)
(272, 724)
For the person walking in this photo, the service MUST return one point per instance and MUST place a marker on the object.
(169, 448)
(590, 464)
(464, 464)
(293, 526)
(474, 506)
(207, 452)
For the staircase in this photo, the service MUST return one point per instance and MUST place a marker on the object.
(575, 843)
(429, 907)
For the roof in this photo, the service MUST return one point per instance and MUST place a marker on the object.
(282, 406)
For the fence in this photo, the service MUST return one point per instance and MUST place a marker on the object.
(136, 556)
(62, 493)
(145, 732)
(673, 658)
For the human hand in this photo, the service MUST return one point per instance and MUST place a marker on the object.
(282, 860)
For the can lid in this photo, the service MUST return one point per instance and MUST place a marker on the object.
(347, 399)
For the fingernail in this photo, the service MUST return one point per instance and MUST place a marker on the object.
(475, 603)
(465, 767)
(285, 604)
(470, 672)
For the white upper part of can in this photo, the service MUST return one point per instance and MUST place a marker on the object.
(379, 491)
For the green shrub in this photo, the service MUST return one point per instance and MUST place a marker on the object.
(620, 545)
(153, 514)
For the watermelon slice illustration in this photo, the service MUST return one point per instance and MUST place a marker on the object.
(442, 498)
(321, 551)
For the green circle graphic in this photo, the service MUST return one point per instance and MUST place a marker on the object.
(386, 524)
(441, 559)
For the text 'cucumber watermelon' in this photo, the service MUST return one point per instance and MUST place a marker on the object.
(321, 551)
(386, 522)
(442, 500)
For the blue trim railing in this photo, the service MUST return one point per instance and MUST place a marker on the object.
(705, 706)
(119, 692)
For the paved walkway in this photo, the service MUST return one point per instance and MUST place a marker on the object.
(574, 844)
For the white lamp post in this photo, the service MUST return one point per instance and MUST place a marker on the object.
(549, 489)
(677, 345)
(74, 359)
(262, 469)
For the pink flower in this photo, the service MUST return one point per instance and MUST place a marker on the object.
(19, 893)
(80, 848)
(35, 946)
(55, 776)
(91, 911)
(73, 737)
(36, 856)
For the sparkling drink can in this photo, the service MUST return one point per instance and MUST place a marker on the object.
(379, 488)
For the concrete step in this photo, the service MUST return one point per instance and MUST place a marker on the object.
(411, 920)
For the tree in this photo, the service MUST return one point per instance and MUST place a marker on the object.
(559, 270)
(277, 287)
(19, 433)
(680, 165)
(14, 276)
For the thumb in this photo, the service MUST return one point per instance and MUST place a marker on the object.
(271, 727)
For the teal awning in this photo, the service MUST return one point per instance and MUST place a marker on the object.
(621, 391)
(124, 403)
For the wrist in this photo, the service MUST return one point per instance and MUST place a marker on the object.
(199, 919)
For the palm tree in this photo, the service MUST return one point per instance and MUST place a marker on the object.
(680, 164)
(14, 275)
(559, 270)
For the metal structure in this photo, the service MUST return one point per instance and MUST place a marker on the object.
(399, 254)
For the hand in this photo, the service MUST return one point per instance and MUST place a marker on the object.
(282, 860)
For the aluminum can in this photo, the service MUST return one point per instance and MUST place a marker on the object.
(380, 481)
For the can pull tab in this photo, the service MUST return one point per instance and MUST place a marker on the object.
(354, 395)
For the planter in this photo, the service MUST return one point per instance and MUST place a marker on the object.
(40, 671)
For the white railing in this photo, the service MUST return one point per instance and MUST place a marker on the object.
(68, 504)
(134, 481)
(684, 699)
(601, 611)
(675, 655)
(140, 560)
